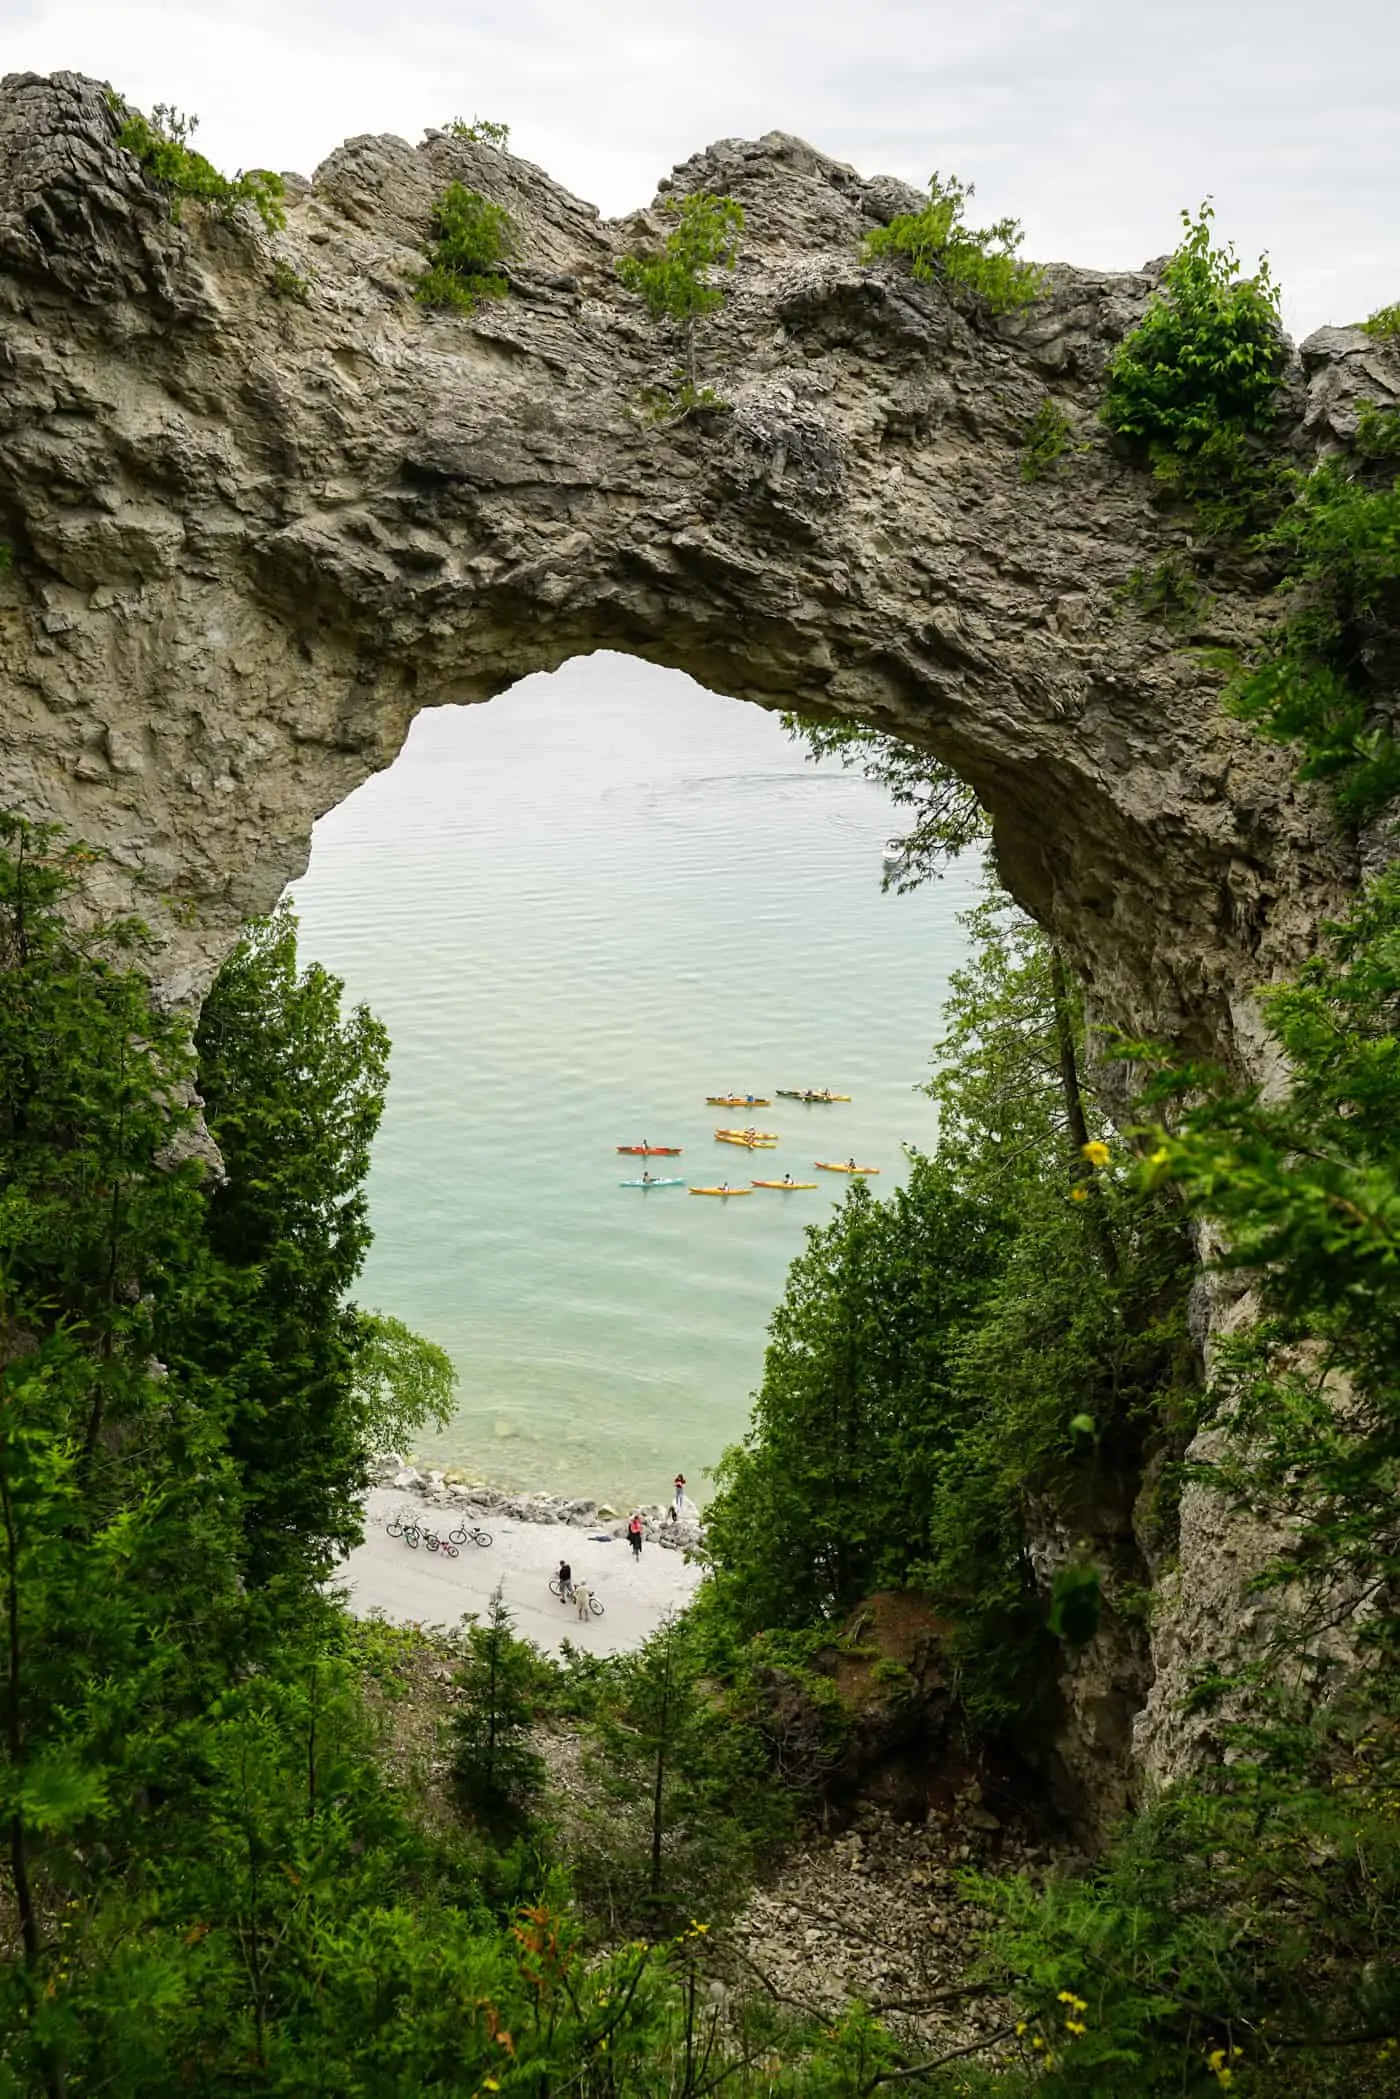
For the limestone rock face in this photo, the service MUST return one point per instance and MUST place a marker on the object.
(253, 536)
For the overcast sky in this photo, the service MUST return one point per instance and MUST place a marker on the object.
(1093, 121)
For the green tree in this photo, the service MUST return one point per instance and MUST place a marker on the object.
(680, 1810)
(826, 1497)
(499, 1776)
(109, 1481)
(293, 1089)
(982, 261)
(676, 285)
(401, 1383)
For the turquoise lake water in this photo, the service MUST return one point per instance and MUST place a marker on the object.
(579, 909)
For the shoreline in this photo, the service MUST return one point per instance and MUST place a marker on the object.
(449, 1487)
(530, 1535)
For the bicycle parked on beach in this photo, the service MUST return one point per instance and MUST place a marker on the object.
(467, 1533)
(402, 1525)
(593, 1604)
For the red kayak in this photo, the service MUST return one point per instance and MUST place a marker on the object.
(651, 1151)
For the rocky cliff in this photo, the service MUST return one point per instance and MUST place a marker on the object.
(252, 536)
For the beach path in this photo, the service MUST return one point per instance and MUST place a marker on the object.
(425, 1588)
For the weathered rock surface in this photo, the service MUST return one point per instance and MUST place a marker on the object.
(252, 537)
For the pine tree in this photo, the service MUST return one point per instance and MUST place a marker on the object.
(499, 1776)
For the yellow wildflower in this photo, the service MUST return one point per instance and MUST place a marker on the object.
(1160, 1156)
(1079, 1195)
(1075, 2026)
(1096, 1153)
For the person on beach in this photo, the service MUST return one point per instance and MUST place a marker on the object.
(679, 1503)
(566, 1582)
(634, 1536)
(581, 1598)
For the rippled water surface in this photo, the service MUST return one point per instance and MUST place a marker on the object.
(579, 909)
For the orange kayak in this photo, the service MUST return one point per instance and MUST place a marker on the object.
(782, 1184)
(721, 1191)
(842, 1166)
(736, 1100)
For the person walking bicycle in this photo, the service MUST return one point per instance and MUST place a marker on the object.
(581, 1598)
(565, 1579)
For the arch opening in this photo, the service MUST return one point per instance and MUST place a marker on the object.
(580, 910)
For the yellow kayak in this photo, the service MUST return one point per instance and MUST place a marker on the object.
(736, 1100)
(721, 1191)
(749, 1144)
(842, 1166)
(749, 1136)
(782, 1184)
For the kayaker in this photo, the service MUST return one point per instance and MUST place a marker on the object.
(566, 1582)
(646, 1177)
(851, 1163)
(787, 1180)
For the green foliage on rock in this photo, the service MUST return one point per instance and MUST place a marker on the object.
(1046, 441)
(981, 261)
(676, 285)
(1195, 384)
(482, 131)
(161, 144)
(470, 239)
(1325, 679)
(1384, 322)
(285, 282)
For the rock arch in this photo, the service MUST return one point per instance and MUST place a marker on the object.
(254, 536)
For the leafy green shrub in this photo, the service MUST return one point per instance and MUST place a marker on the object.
(1323, 681)
(1385, 321)
(481, 131)
(1166, 592)
(1194, 385)
(285, 282)
(675, 285)
(471, 238)
(161, 144)
(979, 260)
(1045, 441)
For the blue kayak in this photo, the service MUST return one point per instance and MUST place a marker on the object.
(654, 1182)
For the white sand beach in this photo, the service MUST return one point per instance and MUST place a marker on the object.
(386, 1575)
